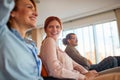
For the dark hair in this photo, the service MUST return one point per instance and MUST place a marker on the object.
(9, 23)
(16, 1)
(51, 18)
(68, 36)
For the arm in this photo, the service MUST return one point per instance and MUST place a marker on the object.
(5, 7)
(89, 75)
(75, 55)
(80, 68)
(54, 66)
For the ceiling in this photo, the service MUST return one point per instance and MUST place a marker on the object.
(71, 9)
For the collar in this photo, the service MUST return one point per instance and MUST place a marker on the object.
(17, 34)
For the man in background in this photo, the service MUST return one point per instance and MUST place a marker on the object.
(71, 42)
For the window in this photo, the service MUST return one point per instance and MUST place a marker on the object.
(96, 42)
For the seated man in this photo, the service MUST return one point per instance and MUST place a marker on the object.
(71, 42)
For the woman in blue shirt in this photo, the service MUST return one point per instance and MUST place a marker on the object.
(18, 58)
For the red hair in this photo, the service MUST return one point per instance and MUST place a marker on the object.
(51, 18)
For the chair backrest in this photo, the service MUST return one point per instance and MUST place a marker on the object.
(46, 77)
(44, 71)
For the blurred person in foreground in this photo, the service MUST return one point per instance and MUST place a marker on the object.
(18, 56)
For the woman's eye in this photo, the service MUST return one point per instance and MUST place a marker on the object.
(54, 27)
(57, 26)
(29, 6)
(50, 26)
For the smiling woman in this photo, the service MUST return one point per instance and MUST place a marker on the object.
(57, 62)
(23, 16)
(18, 56)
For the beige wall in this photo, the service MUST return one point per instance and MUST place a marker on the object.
(37, 36)
(117, 13)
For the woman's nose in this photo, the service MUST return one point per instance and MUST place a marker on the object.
(54, 28)
(36, 13)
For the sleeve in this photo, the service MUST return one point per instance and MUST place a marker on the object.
(5, 7)
(79, 68)
(54, 66)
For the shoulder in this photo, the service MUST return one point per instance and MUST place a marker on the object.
(48, 40)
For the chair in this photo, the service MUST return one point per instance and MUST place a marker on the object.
(46, 77)
(44, 71)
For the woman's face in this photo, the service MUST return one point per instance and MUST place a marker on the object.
(25, 14)
(53, 29)
(73, 41)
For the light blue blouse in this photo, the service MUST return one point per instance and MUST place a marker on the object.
(18, 57)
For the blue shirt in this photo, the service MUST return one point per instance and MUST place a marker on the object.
(18, 58)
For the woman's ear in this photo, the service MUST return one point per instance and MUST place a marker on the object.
(68, 41)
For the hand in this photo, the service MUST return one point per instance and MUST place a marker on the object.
(90, 75)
